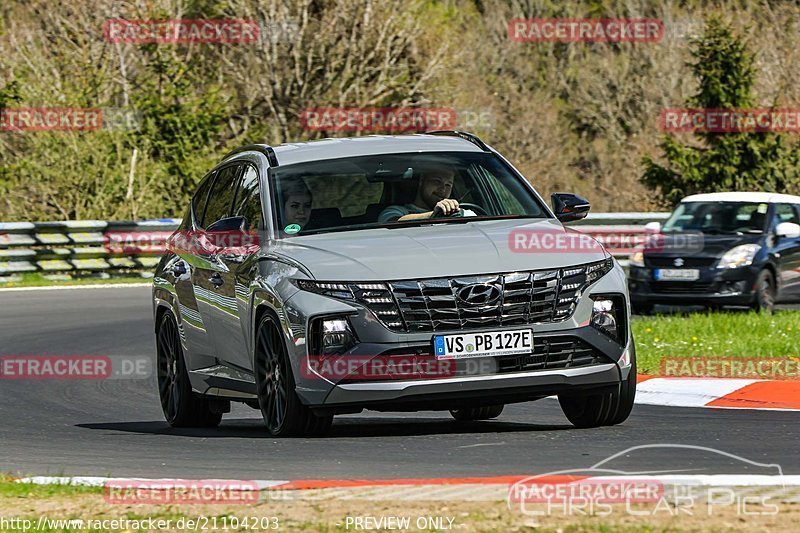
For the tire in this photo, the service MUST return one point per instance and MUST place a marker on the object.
(642, 309)
(764, 300)
(477, 413)
(608, 409)
(283, 412)
(182, 407)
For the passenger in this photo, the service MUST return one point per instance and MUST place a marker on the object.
(297, 203)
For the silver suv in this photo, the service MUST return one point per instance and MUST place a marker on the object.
(392, 273)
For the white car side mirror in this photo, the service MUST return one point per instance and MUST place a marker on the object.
(788, 229)
(653, 226)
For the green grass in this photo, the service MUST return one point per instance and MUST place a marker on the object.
(715, 335)
(37, 279)
(11, 489)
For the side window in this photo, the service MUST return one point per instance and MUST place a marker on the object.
(248, 198)
(201, 197)
(786, 213)
(221, 198)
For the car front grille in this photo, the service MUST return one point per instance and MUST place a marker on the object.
(467, 302)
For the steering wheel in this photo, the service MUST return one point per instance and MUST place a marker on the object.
(479, 210)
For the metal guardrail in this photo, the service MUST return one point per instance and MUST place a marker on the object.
(79, 247)
(95, 247)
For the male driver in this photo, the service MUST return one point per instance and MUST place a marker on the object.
(435, 186)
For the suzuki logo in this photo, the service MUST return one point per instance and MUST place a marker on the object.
(678, 262)
(479, 294)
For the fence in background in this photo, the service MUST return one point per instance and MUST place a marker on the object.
(107, 249)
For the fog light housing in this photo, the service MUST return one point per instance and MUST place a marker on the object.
(608, 316)
(332, 336)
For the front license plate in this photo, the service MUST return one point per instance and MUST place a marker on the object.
(483, 344)
(677, 274)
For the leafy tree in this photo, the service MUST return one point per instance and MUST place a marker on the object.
(723, 161)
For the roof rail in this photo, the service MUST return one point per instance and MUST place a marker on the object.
(464, 135)
(260, 148)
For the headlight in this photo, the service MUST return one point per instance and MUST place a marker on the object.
(342, 291)
(637, 259)
(739, 256)
(595, 271)
(331, 336)
(608, 316)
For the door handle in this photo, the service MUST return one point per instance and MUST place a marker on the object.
(179, 269)
(216, 280)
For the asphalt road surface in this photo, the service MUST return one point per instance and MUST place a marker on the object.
(115, 427)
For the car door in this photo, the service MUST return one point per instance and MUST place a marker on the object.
(237, 269)
(208, 282)
(789, 250)
(197, 335)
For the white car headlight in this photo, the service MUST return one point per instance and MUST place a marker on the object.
(636, 259)
(739, 256)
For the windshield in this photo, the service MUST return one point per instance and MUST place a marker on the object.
(718, 217)
(396, 190)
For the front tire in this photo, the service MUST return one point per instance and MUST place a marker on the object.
(607, 409)
(764, 301)
(182, 407)
(283, 412)
(477, 413)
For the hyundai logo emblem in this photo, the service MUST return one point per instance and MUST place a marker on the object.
(678, 262)
(479, 294)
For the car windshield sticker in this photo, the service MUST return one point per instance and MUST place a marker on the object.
(762, 208)
(292, 228)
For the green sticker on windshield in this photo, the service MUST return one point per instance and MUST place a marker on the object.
(292, 228)
(762, 208)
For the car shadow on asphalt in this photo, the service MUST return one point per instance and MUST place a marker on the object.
(342, 428)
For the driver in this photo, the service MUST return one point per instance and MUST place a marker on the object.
(433, 195)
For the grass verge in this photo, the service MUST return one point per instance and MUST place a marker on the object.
(37, 279)
(715, 335)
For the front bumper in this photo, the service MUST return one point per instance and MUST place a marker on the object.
(595, 362)
(713, 287)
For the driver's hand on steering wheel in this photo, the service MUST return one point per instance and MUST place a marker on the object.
(446, 207)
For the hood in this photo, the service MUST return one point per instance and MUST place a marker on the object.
(440, 250)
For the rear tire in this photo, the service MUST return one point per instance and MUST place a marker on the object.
(607, 409)
(477, 413)
(283, 412)
(182, 407)
(764, 293)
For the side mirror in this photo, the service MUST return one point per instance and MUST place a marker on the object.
(569, 207)
(228, 224)
(654, 227)
(789, 230)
